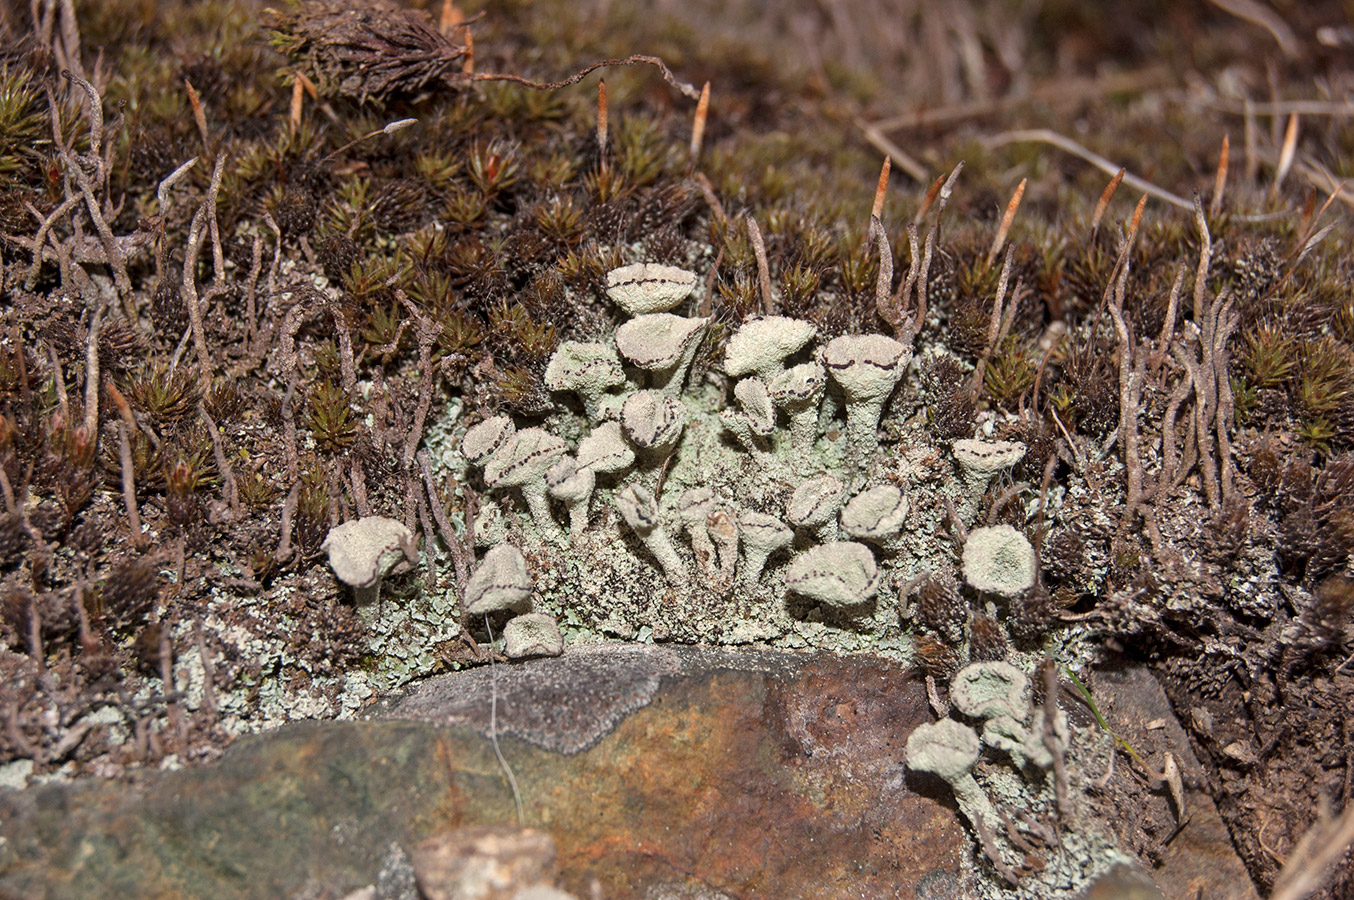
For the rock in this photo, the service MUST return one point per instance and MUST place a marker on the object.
(491, 862)
(657, 771)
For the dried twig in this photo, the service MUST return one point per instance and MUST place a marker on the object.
(635, 60)
(899, 157)
(1259, 14)
(1067, 145)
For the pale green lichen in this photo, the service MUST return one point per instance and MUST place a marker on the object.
(1000, 560)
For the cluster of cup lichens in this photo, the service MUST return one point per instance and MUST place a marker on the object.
(782, 393)
(997, 695)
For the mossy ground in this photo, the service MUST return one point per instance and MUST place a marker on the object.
(342, 297)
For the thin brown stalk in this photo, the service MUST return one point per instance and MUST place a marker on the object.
(297, 100)
(903, 325)
(708, 194)
(924, 276)
(1058, 90)
(168, 686)
(1205, 256)
(427, 335)
(930, 198)
(223, 466)
(251, 292)
(129, 487)
(199, 116)
(602, 123)
(468, 60)
(63, 399)
(450, 18)
(999, 502)
(1305, 240)
(1227, 319)
(992, 851)
(1220, 180)
(999, 239)
(1050, 736)
(993, 324)
(92, 373)
(289, 429)
(169, 181)
(946, 190)
(698, 124)
(881, 190)
(1104, 203)
(1129, 385)
(111, 247)
(189, 286)
(462, 556)
(763, 270)
(710, 282)
(357, 479)
(429, 536)
(1338, 109)
(277, 251)
(1286, 154)
(1169, 457)
(1204, 390)
(284, 547)
(70, 38)
(902, 295)
(1008, 314)
(1172, 311)
(956, 523)
(40, 238)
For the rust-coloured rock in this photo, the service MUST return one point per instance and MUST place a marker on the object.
(656, 771)
(754, 774)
